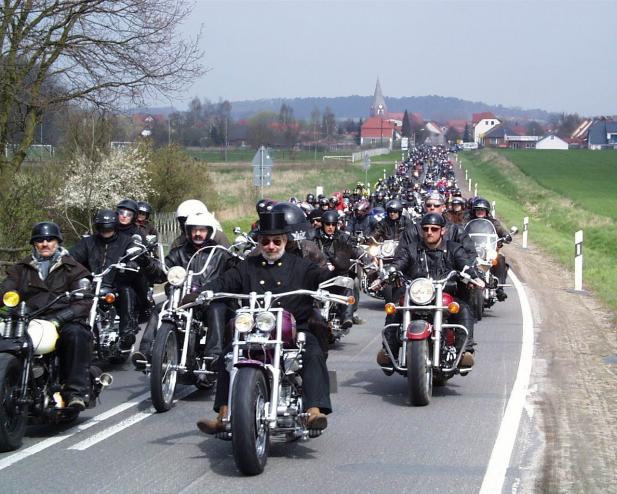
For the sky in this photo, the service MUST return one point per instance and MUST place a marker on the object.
(555, 55)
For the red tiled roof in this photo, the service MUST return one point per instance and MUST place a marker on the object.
(377, 127)
(458, 125)
(480, 116)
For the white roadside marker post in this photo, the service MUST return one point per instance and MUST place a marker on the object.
(525, 231)
(493, 209)
(465, 175)
(469, 185)
(578, 261)
(475, 190)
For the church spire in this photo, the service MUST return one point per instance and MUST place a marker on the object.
(378, 108)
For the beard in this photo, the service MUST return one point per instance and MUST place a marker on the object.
(273, 256)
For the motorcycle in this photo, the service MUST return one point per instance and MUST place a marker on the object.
(104, 320)
(384, 253)
(178, 350)
(427, 355)
(265, 397)
(243, 243)
(30, 371)
(483, 234)
(329, 309)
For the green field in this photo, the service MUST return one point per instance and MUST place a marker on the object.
(560, 193)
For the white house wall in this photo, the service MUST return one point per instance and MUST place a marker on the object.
(483, 126)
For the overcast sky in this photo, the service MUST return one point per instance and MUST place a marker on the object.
(556, 55)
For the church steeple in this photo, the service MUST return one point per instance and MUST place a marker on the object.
(378, 108)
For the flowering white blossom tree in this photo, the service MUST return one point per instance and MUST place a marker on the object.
(91, 185)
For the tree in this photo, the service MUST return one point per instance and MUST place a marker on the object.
(467, 136)
(565, 123)
(406, 128)
(288, 126)
(452, 135)
(534, 129)
(328, 123)
(99, 53)
(260, 129)
(92, 184)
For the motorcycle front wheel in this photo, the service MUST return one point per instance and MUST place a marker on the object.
(13, 417)
(163, 375)
(477, 303)
(419, 373)
(250, 437)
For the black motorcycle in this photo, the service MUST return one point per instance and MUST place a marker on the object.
(30, 371)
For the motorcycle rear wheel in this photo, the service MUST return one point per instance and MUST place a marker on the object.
(419, 373)
(13, 418)
(250, 436)
(163, 378)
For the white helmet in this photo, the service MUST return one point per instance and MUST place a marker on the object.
(43, 335)
(202, 219)
(190, 206)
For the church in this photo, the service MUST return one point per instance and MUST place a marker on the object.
(381, 128)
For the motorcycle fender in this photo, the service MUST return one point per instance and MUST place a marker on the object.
(249, 363)
(419, 330)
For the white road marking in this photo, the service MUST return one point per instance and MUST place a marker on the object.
(132, 420)
(47, 443)
(504, 444)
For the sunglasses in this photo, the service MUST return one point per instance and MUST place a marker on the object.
(330, 224)
(433, 205)
(40, 240)
(315, 221)
(431, 228)
(268, 241)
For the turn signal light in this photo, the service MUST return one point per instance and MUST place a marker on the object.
(351, 300)
(109, 298)
(494, 262)
(454, 308)
(390, 308)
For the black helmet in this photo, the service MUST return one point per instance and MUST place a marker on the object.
(481, 203)
(129, 204)
(105, 219)
(295, 219)
(458, 200)
(45, 229)
(310, 198)
(323, 201)
(394, 205)
(329, 216)
(433, 219)
(315, 214)
(144, 208)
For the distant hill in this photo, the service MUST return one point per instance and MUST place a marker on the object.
(438, 108)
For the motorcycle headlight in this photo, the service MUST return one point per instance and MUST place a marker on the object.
(373, 250)
(421, 291)
(10, 299)
(244, 323)
(176, 275)
(265, 322)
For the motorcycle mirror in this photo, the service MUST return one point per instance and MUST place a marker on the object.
(237, 230)
(84, 284)
(132, 251)
(513, 230)
(151, 239)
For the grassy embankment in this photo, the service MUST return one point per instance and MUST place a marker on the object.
(561, 192)
(237, 195)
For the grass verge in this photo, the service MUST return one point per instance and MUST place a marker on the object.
(554, 216)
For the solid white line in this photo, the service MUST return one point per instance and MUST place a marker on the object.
(47, 443)
(124, 424)
(504, 444)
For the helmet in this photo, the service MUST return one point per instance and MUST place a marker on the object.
(293, 200)
(329, 216)
(333, 201)
(362, 208)
(481, 203)
(201, 219)
(380, 195)
(310, 198)
(323, 201)
(315, 214)
(129, 204)
(306, 207)
(190, 206)
(295, 219)
(435, 196)
(395, 205)
(45, 229)
(105, 219)
(144, 208)
(458, 200)
(433, 219)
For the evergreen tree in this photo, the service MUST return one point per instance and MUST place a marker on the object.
(406, 129)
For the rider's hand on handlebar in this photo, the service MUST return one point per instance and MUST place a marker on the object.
(189, 298)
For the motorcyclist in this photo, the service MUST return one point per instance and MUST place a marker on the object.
(433, 256)
(359, 219)
(394, 224)
(200, 231)
(456, 213)
(126, 210)
(194, 206)
(144, 210)
(39, 278)
(482, 209)
(97, 252)
(339, 250)
(277, 271)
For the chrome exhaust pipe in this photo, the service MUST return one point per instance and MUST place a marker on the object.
(105, 379)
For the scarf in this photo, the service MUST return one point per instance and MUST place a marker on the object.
(45, 264)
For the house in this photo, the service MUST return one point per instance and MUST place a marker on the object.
(436, 134)
(602, 134)
(551, 142)
(377, 131)
(503, 136)
(482, 123)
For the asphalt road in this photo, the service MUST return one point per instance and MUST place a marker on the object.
(375, 442)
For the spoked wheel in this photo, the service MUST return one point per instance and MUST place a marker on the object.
(163, 375)
(250, 437)
(419, 373)
(13, 417)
